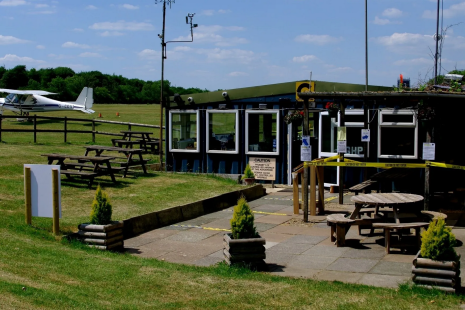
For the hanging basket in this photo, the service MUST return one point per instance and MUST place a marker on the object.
(332, 113)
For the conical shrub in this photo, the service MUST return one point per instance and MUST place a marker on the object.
(242, 223)
(438, 241)
(101, 208)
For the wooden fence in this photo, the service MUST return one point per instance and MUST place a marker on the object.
(65, 129)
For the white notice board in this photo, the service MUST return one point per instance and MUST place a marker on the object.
(42, 190)
(263, 168)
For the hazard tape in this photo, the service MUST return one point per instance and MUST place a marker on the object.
(441, 165)
(355, 164)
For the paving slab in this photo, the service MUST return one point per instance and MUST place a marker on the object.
(193, 235)
(208, 261)
(271, 207)
(399, 258)
(274, 237)
(392, 268)
(346, 277)
(305, 239)
(311, 262)
(352, 265)
(220, 223)
(278, 258)
(315, 231)
(291, 248)
(273, 219)
(383, 280)
(261, 227)
(287, 229)
(325, 251)
(149, 237)
(365, 252)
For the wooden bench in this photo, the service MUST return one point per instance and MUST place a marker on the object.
(388, 227)
(364, 186)
(339, 227)
(432, 215)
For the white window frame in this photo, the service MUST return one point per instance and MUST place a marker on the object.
(196, 112)
(236, 129)
(247, 113)
(412, 124)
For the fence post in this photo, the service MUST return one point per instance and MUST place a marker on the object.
(66, 128)
(35, 128)
(129, 126)
(93, 130)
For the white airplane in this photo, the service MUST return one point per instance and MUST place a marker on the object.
(24, 102)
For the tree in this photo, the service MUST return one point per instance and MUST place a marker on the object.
(15, 78)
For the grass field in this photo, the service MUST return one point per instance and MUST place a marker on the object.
(40, 271)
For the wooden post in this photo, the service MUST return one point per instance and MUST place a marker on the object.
(305, 132)
(66, 128)
(27, 194)
(93, 130)
(295, 192)
(129, 126)
(313, 190)
(427, 177)
(365, 151)
(35, 128)
(56, 207)
(321, 189)
(341, 169)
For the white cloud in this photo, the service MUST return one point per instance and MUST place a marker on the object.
(74, 45)
(454, 10)
(304, 58)
(91, 7)
(182, 49)
(40, 47)
(61, 56)
(223, 11)
(122, 25)
(209, 34)
(41, 12)
(149, 54)
(380, 21)
(402, 39)
(12, 2)
(111, 34)
(91, 55)
(392, 13)
(42, 5)
(334, 69)
(317, 39)
(17, 59)
(414, 62)
(7, 40)
(232, 55)
(238, 73)
(78, 30)
(208, 12)
(129, 7)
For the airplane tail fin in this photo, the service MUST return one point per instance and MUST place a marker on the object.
(86, 99)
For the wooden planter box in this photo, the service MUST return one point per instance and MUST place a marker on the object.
(442, 275)
(248, 181)
(249, 251)
(103, 237)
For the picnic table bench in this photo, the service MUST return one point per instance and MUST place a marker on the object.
(364, 186)
(399, 227)
(85, 166)
(124, 162)
(143, 139)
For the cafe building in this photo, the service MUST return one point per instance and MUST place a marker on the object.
(221, 131)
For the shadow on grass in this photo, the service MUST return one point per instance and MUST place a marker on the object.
(83, 183)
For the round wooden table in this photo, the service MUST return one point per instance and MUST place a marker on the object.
(394, 200)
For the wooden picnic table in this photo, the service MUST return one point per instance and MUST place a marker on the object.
(143, 140)
(128, 160)
(129, 134)
(84, 166)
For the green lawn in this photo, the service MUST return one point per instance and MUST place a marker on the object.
(40, 271)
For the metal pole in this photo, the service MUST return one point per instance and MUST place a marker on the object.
(366, 45)
(437, 43)
(163, 44)
(365, 151)
(27, 194)
(305, 179)
(341, 169)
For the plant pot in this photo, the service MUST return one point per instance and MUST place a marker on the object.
(441, 275)
(249, 181)
(103, 237)
(332, 113)
(249, 251)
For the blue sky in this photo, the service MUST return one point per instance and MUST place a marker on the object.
(238, 43)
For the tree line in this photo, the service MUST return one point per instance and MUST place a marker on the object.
(107, 88)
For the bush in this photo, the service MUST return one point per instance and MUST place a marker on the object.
(248, 173)
(438, 242)
(242, 223)
(101, 208)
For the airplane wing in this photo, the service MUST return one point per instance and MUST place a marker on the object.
(26, 92)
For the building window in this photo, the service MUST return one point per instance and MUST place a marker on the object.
(262, 132)
(223, 132)
(397, 134)
(184, 131)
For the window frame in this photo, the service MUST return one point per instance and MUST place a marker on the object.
(196, 112)
(211, 111)
(413, 124)
(278, 118)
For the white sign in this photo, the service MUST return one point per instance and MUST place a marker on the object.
(42, 190)
(365, 135)
(305, 153)
(306, 140)
(429, 151)
(263, 168)
(342, 146)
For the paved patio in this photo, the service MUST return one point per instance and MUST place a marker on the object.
(293, 248)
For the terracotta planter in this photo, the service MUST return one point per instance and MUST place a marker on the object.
(249, 181)
(442, 275)
(103, 237)
(249, 251)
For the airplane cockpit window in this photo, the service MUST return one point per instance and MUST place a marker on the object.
(12, 98)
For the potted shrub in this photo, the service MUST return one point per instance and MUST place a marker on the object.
(102, 232)
(244, 245)
(249, 176)
(295, 118)
(437, 264)
(333, 109)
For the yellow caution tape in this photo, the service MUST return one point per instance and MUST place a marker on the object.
(334, 197)
(374, 165)
(211, 228)
(441, 165)
(269, 213)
